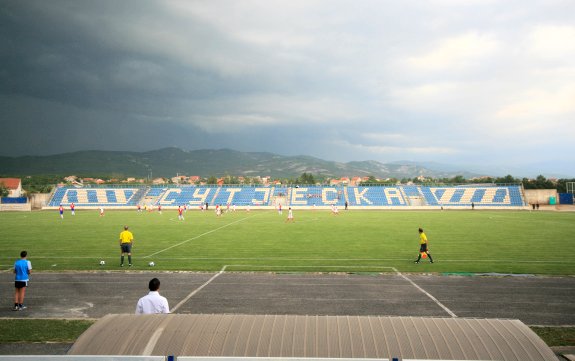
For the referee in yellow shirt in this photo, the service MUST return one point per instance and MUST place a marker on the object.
(423, 246)
(126, 239)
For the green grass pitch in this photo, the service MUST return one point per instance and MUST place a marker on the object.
(355, 241)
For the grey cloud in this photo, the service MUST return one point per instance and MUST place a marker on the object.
(289, 77)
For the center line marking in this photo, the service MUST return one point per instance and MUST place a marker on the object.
(426, 293)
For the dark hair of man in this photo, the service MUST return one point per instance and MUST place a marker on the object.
(154, 284)
(23, 254)
(421, 230)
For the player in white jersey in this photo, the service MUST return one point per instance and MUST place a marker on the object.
(290, 216)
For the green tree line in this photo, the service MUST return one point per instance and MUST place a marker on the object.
(45, 183)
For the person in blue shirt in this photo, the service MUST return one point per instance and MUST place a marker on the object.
(22, 269)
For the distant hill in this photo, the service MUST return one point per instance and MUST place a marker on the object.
(168, 162)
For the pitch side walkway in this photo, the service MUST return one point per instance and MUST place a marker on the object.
(533, 300)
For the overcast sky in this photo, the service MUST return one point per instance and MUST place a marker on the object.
(485, 85)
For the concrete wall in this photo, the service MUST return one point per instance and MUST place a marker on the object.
(541, 196)
(14, 207)
(39, 200)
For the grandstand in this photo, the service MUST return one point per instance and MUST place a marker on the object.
(358, 197)
(96, 197)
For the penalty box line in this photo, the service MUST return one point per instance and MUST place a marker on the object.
(222, 271)
(198, 236)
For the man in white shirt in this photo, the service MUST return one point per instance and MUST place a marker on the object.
(153, 302)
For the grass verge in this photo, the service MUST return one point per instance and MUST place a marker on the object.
(556, 336)
(39, 330)
(16, 330)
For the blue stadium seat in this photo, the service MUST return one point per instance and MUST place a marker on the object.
(499, 196)
(306, 196)
(111, 195)
(478, 195)
(72, 196)
(430, 197)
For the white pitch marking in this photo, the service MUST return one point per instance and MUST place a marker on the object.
(175, 308)
(426, 293)
(152, 342)
(393, 268)
(339, 259)
(332, 266)
(198, 236)
(197, 290)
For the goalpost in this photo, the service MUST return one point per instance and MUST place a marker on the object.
(571, 189)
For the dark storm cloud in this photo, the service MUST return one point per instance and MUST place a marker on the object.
(64, 51)
(443, 80)
(92, 60)
(68, 83)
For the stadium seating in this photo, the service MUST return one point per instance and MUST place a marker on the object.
(94, 197)
(303, 196)
(185, 195)
(316, 196)
(463, 196)
(155, 192)
(411, 191)
(376, 196)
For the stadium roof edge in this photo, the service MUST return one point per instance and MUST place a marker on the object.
(291, 336)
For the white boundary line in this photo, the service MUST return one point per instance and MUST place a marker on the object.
(187, 298)
(175, 308)
(198, 236)
(321, 266)
(153, 341)
(451, 313)
(426, 293)
(336, 259)
(292, 259)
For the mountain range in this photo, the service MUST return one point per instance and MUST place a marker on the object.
(169, 162)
